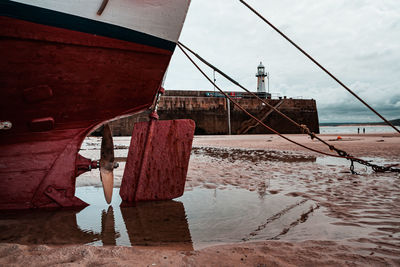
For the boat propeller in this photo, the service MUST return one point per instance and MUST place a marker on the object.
(107, 163)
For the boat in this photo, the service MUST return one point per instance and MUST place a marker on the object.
(67, 68)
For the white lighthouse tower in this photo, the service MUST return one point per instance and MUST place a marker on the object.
(261, 74)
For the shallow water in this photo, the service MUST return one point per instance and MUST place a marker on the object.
(242, 195)
(353, 129)
(199, 218)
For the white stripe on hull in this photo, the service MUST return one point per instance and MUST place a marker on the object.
(160, 18)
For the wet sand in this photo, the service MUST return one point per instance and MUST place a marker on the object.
(272, 253)
(353, 219)
(372, 145)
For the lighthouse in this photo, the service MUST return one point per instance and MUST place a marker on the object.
(261, 74)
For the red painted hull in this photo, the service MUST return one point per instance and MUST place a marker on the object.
(56, 85)
(158, 160)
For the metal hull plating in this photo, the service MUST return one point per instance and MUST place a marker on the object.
(58, 84)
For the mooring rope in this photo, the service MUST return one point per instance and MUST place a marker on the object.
(303, 127)
(319, 65)
(341, 153)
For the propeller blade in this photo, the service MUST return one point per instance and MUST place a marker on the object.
(107, 179)
(107, 163)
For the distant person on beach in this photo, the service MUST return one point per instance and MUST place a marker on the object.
(358, 130)
(363, 130)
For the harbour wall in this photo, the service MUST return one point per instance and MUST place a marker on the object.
(211, 114)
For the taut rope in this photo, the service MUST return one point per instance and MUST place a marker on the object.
(341, 153)
(319, 65)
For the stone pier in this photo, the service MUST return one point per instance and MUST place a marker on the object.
(209, 111)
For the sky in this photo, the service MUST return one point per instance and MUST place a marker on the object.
(358, 41)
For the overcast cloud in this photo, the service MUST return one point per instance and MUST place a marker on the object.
(357, 40)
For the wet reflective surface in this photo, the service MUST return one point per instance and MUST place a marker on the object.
(204, 217)
(232, 195)
(200, 218)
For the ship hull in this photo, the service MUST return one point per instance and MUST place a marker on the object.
(57, 85)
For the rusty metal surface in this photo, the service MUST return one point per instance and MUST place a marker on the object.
(62, 199)
(158, 160)
(65, 93)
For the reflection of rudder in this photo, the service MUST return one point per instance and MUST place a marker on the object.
(161, 223)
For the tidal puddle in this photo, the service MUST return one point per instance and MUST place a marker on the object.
(200, 218)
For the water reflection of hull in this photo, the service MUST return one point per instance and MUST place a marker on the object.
(147, 224)
(43, 227)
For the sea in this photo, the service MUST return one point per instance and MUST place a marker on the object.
(353, 129)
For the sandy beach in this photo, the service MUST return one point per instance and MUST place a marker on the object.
(327, 216)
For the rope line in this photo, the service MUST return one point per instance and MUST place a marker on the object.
(319, 65)
(341, 153)
(248, 113)
(301, 126)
